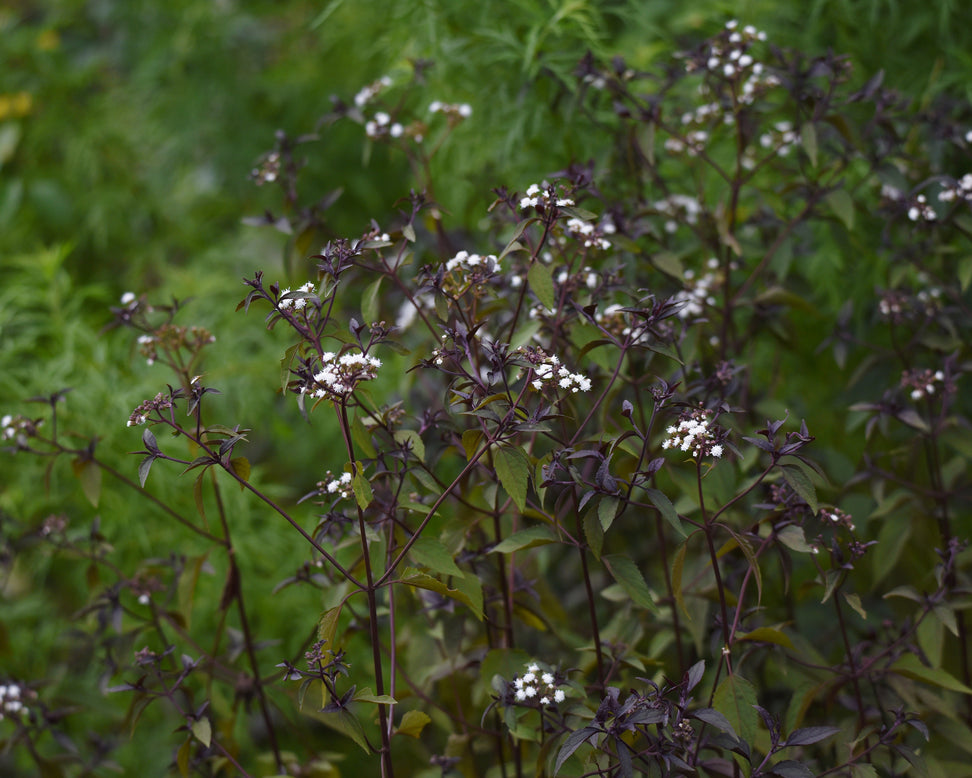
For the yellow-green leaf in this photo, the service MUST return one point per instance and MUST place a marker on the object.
(361, 486)
(90, 476)
(413, 722)
(911, 667)
(241, 466)
(202, 730)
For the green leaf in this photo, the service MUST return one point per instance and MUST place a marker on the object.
(664, 505)
(362, 487)
(413, 722)
(431, 553)
(369, 301)
(965, 272)
(327, 626)
(808, 138)
(241, 466)
(668, 263)
(513, 471)
(540, 277)
(572, 743)
(855, 602)
(802, 485)
(182, 757)
(791, 769)
(414, 578)
(593, 533)
(345, 722)
(470, 442)
(202, 730)
(414, 441)
(90, 476)
(735, 699)
(767, 635)
(842, 205)
(627, 574)
(525, 538)
(792, 536)
(366, 695)
(911, 667)
(362, 437)
(607, 510)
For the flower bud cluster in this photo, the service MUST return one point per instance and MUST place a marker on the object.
(12, 701)
(922, 383)
(548, 371)
(170, 338)
(340, 374)
(297, 303)
(538, 686)
(960, 190)
(694, 434)
(837, 517)
(266, 173)
(465, 270)
(340, 486)
(141, 414)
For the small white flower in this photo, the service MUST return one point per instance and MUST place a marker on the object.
(128, 298)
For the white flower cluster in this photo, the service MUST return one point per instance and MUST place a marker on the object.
(382, 125)
(960, 190)
(548, 371)
(693, 434)
(677, 207)
(921, 211)
(9, 426)
(782, 138)
(368, 93)
(466, 261)
(128, 298)
(297, 303)
(922, 382)
(731, 57)
(588, 233)
(539, 686)
(697, 293)
(460, 110)
(543, 195)
(341, 486)
(11, 701)
(693, 143)
(340, 374)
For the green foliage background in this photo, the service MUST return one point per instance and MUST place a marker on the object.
(127, 132)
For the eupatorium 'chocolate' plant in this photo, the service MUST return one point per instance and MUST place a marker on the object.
(568, 526)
